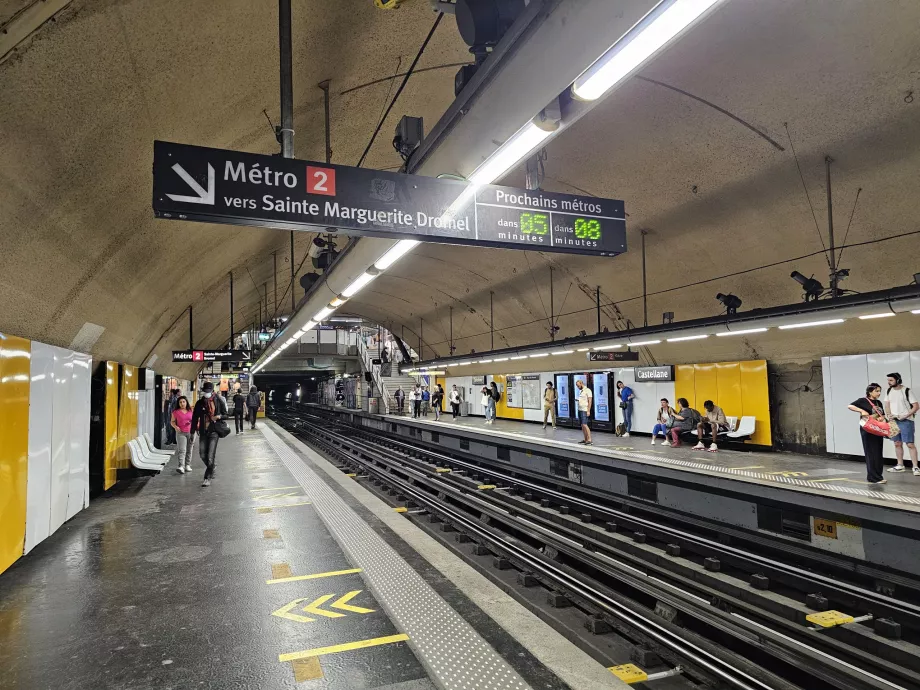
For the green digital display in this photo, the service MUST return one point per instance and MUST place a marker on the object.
(587, 228)
(534, 223)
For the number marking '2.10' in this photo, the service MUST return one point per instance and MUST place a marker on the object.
(534, 223)
(320, 181)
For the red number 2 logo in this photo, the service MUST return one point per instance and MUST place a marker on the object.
(320, 181)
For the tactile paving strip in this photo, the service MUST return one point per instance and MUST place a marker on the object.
(453, 652)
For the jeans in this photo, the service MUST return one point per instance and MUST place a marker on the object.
(183, 448)
(490, 410)
(207, 451)
(549, 409)
(425, 407)
(238, 420)
(252, 417)
(659, 429)
(627, 415)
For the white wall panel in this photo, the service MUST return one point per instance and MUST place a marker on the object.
(60, 435)
(38, 493)
(849, 376)
(78, 455)
(878, 368)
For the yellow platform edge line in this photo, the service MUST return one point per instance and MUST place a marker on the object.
(315, 576)
(346, 647)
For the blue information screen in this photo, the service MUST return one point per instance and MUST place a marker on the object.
(601, 403)
(562, 396)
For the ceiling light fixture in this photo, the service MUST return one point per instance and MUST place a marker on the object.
(915, 311)
(358, 283)
(338, 301)
(501, 359)
(744, 332)
(540, 354)
(515, 148)
(660, 26)
(520, 357)
(395, 253)
(610, 347)
(561, 352)
(687, 337)
(583, 349)
(485, 361)
(645, 342)
(322, 314)
(811, 323)
(877, 316)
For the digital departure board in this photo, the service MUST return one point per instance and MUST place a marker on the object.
(219, 186)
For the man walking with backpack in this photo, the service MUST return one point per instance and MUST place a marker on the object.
(253, 403)
(902, 406)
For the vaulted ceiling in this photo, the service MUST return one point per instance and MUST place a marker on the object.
(697, 146)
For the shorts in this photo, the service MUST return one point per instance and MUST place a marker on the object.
(583, 418)
(907, 431)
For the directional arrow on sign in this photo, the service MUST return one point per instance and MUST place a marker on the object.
(314, 607)
(205, 196)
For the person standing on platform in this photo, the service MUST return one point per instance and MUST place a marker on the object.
(585, 398)
(902, 406)
(549, 403)
(253, 403)
(455, 401)
(208, 410)
(426, 400)
(871, 408)
(400, 399)
(437, 400)
(415, 397)
(238, 402)
(181, 422)
(626, 395)
(170, 406)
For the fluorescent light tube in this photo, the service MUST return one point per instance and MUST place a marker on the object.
(515, 148)
(540, 354)
(744, 332)
(877, 316)
(610, 347)
(463, 364)
(322, 314)
(915, 311)
(645, 342)
(299, 334)
(811, 323)
(583, 349)
(654, 32)
(359, 283)
(338, 301)
(396, 252)
(561, 352)
(520, 357)
(501, 359)
(485, 361)
(687, 337)
(309, 326)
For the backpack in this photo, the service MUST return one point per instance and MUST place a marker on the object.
(621, 429)
(906, 394)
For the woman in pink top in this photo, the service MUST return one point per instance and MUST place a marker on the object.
(182, 422)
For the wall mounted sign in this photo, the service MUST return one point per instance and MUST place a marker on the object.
(665, 373)
(479, 380)
(211, 355)
(628, 356)
(219, 186)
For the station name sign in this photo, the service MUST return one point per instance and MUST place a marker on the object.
(211, 355)
(219, 186)
(628, 356)
(665, 373)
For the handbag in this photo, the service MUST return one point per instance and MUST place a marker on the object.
(879, 427)
(221, 428)
(624, 405)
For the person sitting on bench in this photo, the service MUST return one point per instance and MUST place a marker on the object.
(715, 422)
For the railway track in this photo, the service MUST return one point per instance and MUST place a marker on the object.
(660, 586)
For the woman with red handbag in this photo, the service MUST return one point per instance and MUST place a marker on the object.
(873, 428)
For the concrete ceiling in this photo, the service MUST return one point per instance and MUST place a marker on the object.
(81, 104)
(83, 100)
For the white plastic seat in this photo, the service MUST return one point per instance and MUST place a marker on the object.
(139, 461)
(144, 442)
(745, 428)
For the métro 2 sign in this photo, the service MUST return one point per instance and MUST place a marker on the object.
(218, 186)
(211, 355)
(628, 356)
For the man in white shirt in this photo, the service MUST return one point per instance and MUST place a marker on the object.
(902, 406)
(585, 398)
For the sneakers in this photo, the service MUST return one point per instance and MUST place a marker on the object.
(916, 471)
(544, 426)
(188, 469)
(582, 443)
(589, 443)
(713, 448)
(626, 435)
(206, 482)
(666, 442)
(898, 468)
(653, 440)
(699, 446)
(880, 481)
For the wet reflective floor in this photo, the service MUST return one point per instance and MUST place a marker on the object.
(162, 584)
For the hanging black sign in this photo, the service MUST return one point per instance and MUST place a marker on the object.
(211, 355)
(628, 356)
(219, 186)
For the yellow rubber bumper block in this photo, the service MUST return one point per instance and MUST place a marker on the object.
(829, 619)
(629, 673)
(484, 487)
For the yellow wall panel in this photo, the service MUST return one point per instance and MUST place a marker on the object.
(110, 461)
(707, 385)
(684, 383)
(755, 394)
(14, 446)
(728, 398)
(501, 407)
(127, 414)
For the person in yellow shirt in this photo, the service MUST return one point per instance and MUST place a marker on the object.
(549, 403)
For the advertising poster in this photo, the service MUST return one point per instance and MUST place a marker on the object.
(601, 404)
(575, 379)
(562, 396)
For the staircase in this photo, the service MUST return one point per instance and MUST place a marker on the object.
(390, 384)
